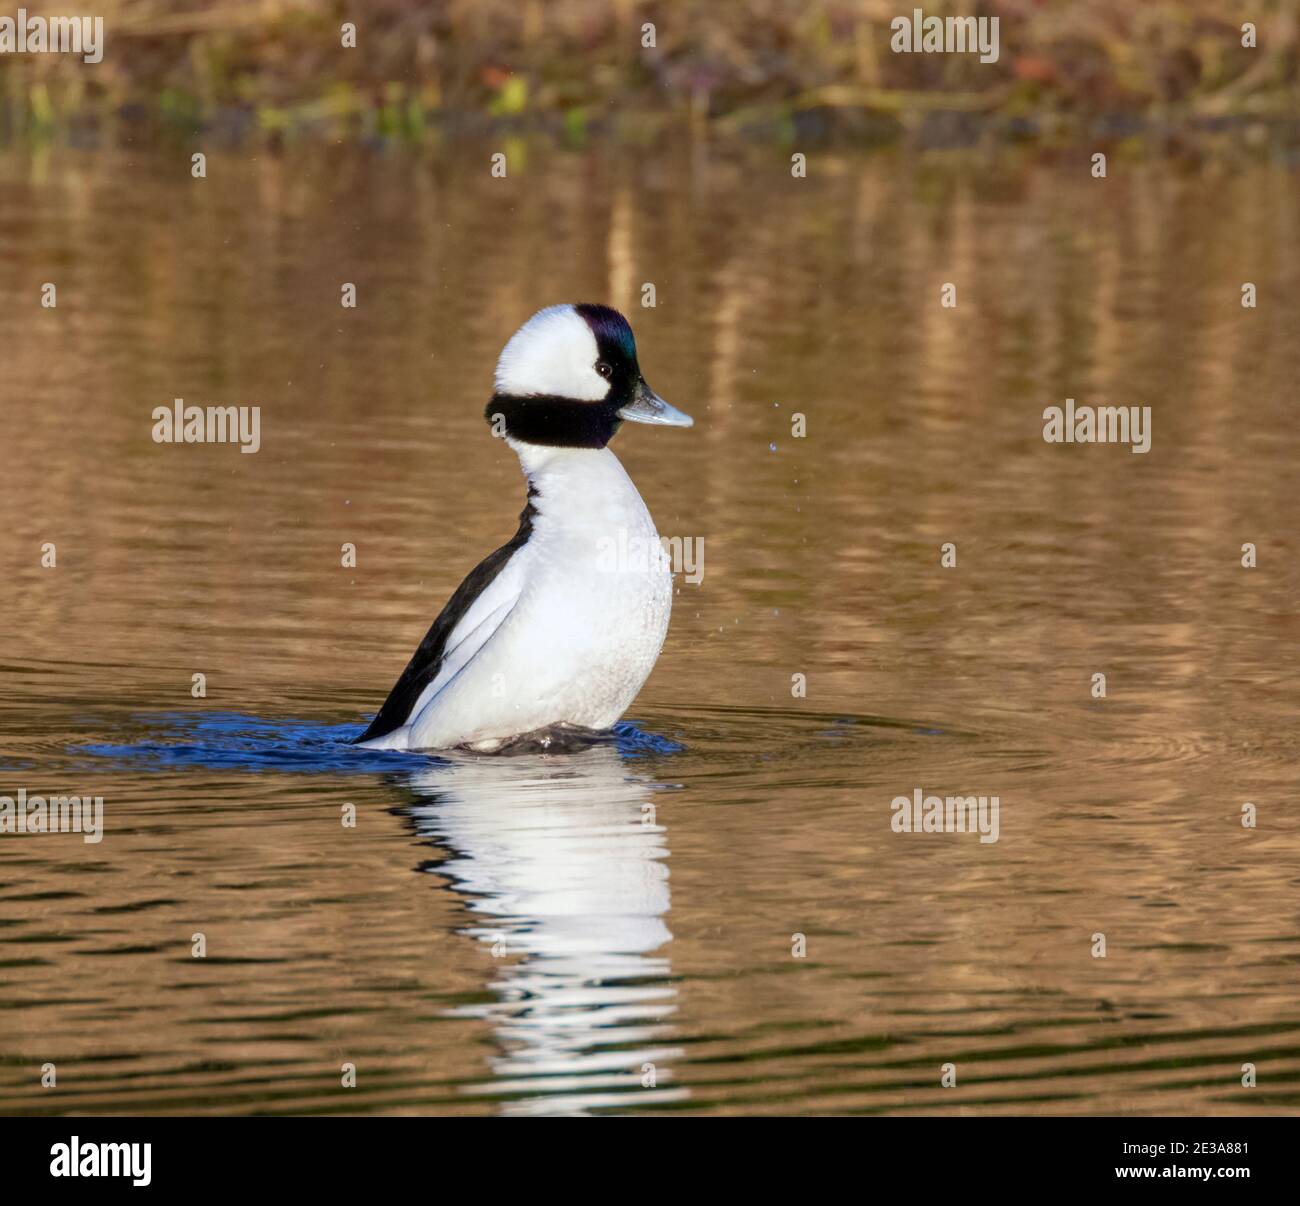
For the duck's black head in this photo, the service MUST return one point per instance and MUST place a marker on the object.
(569, 377)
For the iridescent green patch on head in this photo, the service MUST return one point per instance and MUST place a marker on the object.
(613, 334)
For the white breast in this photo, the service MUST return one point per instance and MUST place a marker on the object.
(570, 629)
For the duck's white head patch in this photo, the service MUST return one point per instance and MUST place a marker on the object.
(554, 355)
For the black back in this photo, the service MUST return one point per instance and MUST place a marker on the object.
(427, 660)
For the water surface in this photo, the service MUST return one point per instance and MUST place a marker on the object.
(612, 930)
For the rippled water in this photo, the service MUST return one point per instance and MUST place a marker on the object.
(612, 929)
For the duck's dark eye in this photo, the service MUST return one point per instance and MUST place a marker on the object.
(604, 368)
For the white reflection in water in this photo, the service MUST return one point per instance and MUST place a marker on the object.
(562, 860)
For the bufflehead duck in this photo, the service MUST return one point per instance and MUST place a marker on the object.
(544, 637)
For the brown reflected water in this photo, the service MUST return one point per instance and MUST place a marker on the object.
(631, 935)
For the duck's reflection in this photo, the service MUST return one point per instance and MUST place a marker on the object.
(563, 860)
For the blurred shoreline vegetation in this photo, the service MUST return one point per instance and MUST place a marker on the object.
(769, 70)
